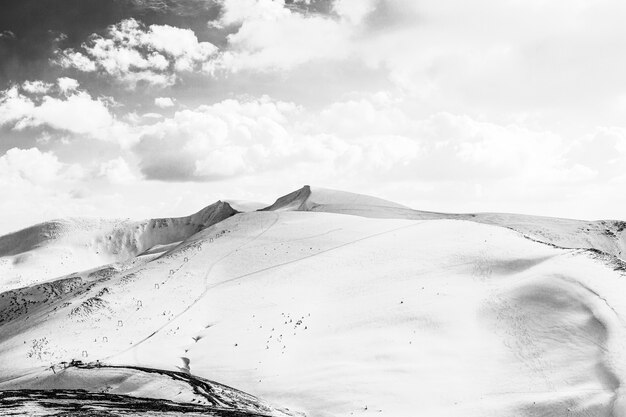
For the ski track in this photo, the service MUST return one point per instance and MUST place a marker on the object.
(208, 288)
(193, 303)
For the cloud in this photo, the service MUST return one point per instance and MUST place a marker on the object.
(132, 53)
(354, 11)
(33, 166)
(603, 150)
(14, 106)
(152, 116)
(36, 87)
(39, 87)
(117, 171)
(79, 113)
(236, 138)
(461, 148)
(212, 142)
(238, 12)
(36, 186)
(471, 110)
(177, 7)
(446, 56)
(270, 36)
(67, 85)
(163, 102)
(447, 146)
(373, 144)
(69, 58)
(75, 111)
(367, 138)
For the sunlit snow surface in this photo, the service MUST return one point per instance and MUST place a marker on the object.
(334, 304)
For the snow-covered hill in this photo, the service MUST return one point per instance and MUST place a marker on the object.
(60, 247)
(332, 304)
(605, 235)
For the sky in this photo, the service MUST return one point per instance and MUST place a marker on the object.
(155, 108)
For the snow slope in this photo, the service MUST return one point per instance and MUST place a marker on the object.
(60, 247)
(336, 304)
(605, 235)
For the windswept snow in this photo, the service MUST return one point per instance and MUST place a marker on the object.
(336, 304)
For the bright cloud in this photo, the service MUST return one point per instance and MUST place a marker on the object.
(117, 171)
(36, 87)
(32, 166)
(75, 112)
(270, 36)
(353, 138)
(79, 113)
(14, 106)
(67, 85)
(163, 102)
(213, 142)
(131, 53)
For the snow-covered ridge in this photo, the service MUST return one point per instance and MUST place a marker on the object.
(60, 247)
(336, 304)
(135, 238)
(115, 237)
(310, 198)
(608, 236)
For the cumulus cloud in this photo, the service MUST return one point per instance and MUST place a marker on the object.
(36, 186)
(67, 85)
(236, 138)
(450, 147)
(472, 109)
(14, 106)
(36, 87)
(79, 113)
(34, 166)
(74, 112)
(69, 58)
(132, 53)
(163, 102)
(116, 171)
(211, 142)
(447, 56)
(372, 138)
(270, 36)
(39, 87)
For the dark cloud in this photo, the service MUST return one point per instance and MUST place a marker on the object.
(38, 26)
(313, 6)
(31, 30)
(184, 8)
(168, 170)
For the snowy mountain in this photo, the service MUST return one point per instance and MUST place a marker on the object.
(324, 303)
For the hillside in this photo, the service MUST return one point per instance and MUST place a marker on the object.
(60, 247)
(605, 235)
(335, 304)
